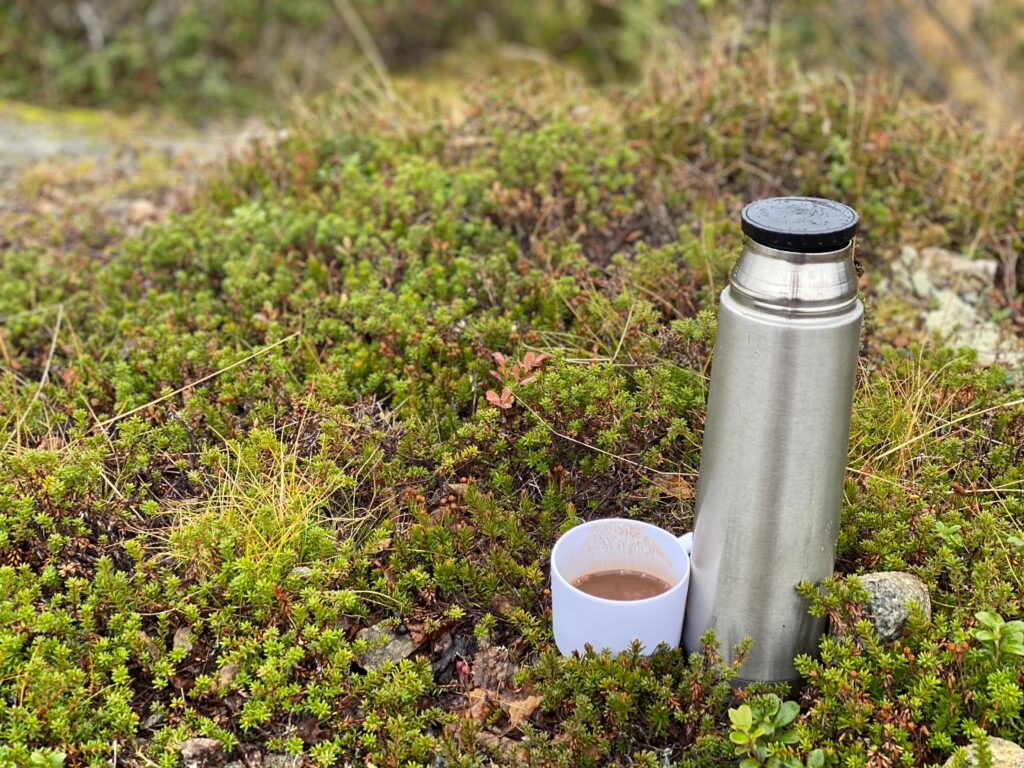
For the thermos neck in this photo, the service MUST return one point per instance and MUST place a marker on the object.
(790, 283)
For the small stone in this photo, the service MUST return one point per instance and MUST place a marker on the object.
(140, 211)
(385, 645)
(1005, 754)
(201, 752)
(154, 722)
(301, 572)
(446, 650)
(891, 594)
(281, 760)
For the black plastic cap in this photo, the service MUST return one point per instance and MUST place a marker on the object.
(801, 224)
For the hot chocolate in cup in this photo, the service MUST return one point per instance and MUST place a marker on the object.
(618, 545)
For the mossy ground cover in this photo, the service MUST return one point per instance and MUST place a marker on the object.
(378, 366)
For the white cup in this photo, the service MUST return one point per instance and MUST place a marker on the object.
(613, 544)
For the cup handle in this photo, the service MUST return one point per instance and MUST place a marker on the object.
(687, 541)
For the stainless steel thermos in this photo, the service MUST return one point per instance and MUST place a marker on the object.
(777, 432)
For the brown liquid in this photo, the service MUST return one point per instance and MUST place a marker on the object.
(621, 585)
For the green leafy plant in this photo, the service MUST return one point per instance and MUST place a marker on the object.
(37, 758)
(998, 637)
(761, 734)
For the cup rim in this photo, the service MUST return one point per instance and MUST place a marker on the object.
(555, 573)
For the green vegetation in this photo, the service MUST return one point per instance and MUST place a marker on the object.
(236, 438)
(757, 732)
(202, 58)
(207, 56)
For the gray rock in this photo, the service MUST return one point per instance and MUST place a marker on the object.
(955, 296)
(931, 270)
(301, 572)
(970, 278)
(922, 284)
(961, 324)
(385, 646)
(235, 764)
(201, 752)
(891, 594)
(281, 760)
(1005, 754)
(445, 650)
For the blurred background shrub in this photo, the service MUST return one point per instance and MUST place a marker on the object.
(214, 56)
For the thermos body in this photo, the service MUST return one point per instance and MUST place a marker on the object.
(775, 446)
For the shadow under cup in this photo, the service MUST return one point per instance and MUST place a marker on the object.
(618, 544)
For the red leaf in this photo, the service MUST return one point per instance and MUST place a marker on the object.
(528, 379)
(504, 400)
(499, 359)
(531, 360)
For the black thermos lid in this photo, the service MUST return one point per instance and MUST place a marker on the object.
(801, 224)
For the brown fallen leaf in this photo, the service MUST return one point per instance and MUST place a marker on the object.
(503, 605)
(520, 706)
(674, 485)
(508, 749)
(154, 650)
(493, 673)
(183, 640)
(479, 707)
(224, 677)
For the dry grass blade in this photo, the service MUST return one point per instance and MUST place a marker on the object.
(197, 382)
(951, 422)
(273, 508)
(671, 476)
(16, 432)
(365, 41)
